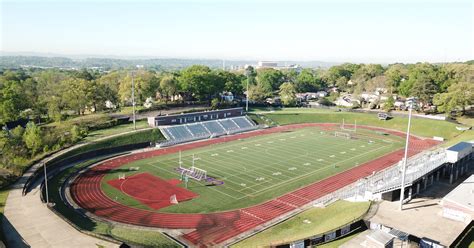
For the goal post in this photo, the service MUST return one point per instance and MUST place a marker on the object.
(344, 128)
(194, 173)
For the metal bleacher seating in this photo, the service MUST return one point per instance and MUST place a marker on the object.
(201, 130)
(228, 124)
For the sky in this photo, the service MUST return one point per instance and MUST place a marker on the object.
(333, 31)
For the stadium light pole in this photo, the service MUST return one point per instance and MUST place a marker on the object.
(247, 72)
(133, 102)
(404, 165)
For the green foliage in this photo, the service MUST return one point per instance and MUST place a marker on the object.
(459, 95)
(389, 104)
(288, 94)
(307, 81)
(146, 85)
(13, 100)
(269, 79)
(32, 137)
(258, 93)
(200, 82)
(168, 86)
(215, 103)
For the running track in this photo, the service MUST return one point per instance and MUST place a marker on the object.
(215, 228)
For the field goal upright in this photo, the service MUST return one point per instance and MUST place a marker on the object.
(344, 128)
(193, 172)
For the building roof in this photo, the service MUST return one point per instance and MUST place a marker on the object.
(198, 113)
(463, 194)
(460, 146)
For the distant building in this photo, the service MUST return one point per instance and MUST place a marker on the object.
(274, 65)
(266, 64)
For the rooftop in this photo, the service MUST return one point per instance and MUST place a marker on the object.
(463, 195)
(460, 146)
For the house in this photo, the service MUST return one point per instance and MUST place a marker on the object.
(322, 93)
(346, 101)
(227, 96)
(308, 96)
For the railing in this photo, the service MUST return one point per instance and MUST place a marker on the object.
(390, 178)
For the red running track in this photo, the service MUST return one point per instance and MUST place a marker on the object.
(143, 188)
(215, 228)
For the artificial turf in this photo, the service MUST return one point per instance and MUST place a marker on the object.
(259, 168)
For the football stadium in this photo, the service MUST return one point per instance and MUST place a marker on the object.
(219, 180)
(236, 124)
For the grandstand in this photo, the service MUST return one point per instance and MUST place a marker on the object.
(206, 129)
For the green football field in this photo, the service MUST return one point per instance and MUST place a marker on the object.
(260, 168)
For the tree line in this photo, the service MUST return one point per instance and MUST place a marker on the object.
(50, 97)
(53, 93)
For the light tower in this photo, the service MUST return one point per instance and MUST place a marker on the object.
(411, 103)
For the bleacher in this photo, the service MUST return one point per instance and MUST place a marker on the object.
(206, 129)
(179, 132)
(214, 127)
(198, 129)
(228, 124)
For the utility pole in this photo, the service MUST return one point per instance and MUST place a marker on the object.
(133, 102)
(46, 183)
(247, 95)
(405, 157)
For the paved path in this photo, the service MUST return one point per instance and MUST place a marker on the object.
(29, 223)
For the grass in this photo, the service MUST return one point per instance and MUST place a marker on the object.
(134, 236)
(322, 220)
(126, 139)
(93, 135)
(421, 127)
(259, 168)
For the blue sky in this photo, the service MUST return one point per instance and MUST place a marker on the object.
(354, 31)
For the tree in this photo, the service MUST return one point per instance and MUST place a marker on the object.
(32, 137)
(258, 93)
(201, 82)
(78, 93)
(13, 100)
(146, 85)
(51, 88)
(459, 95)
(233, 83)
(288, 94)
(424, 89)
(395, 74)
(270, 78)
(307, 81)
(389, 104)
(168, 86)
